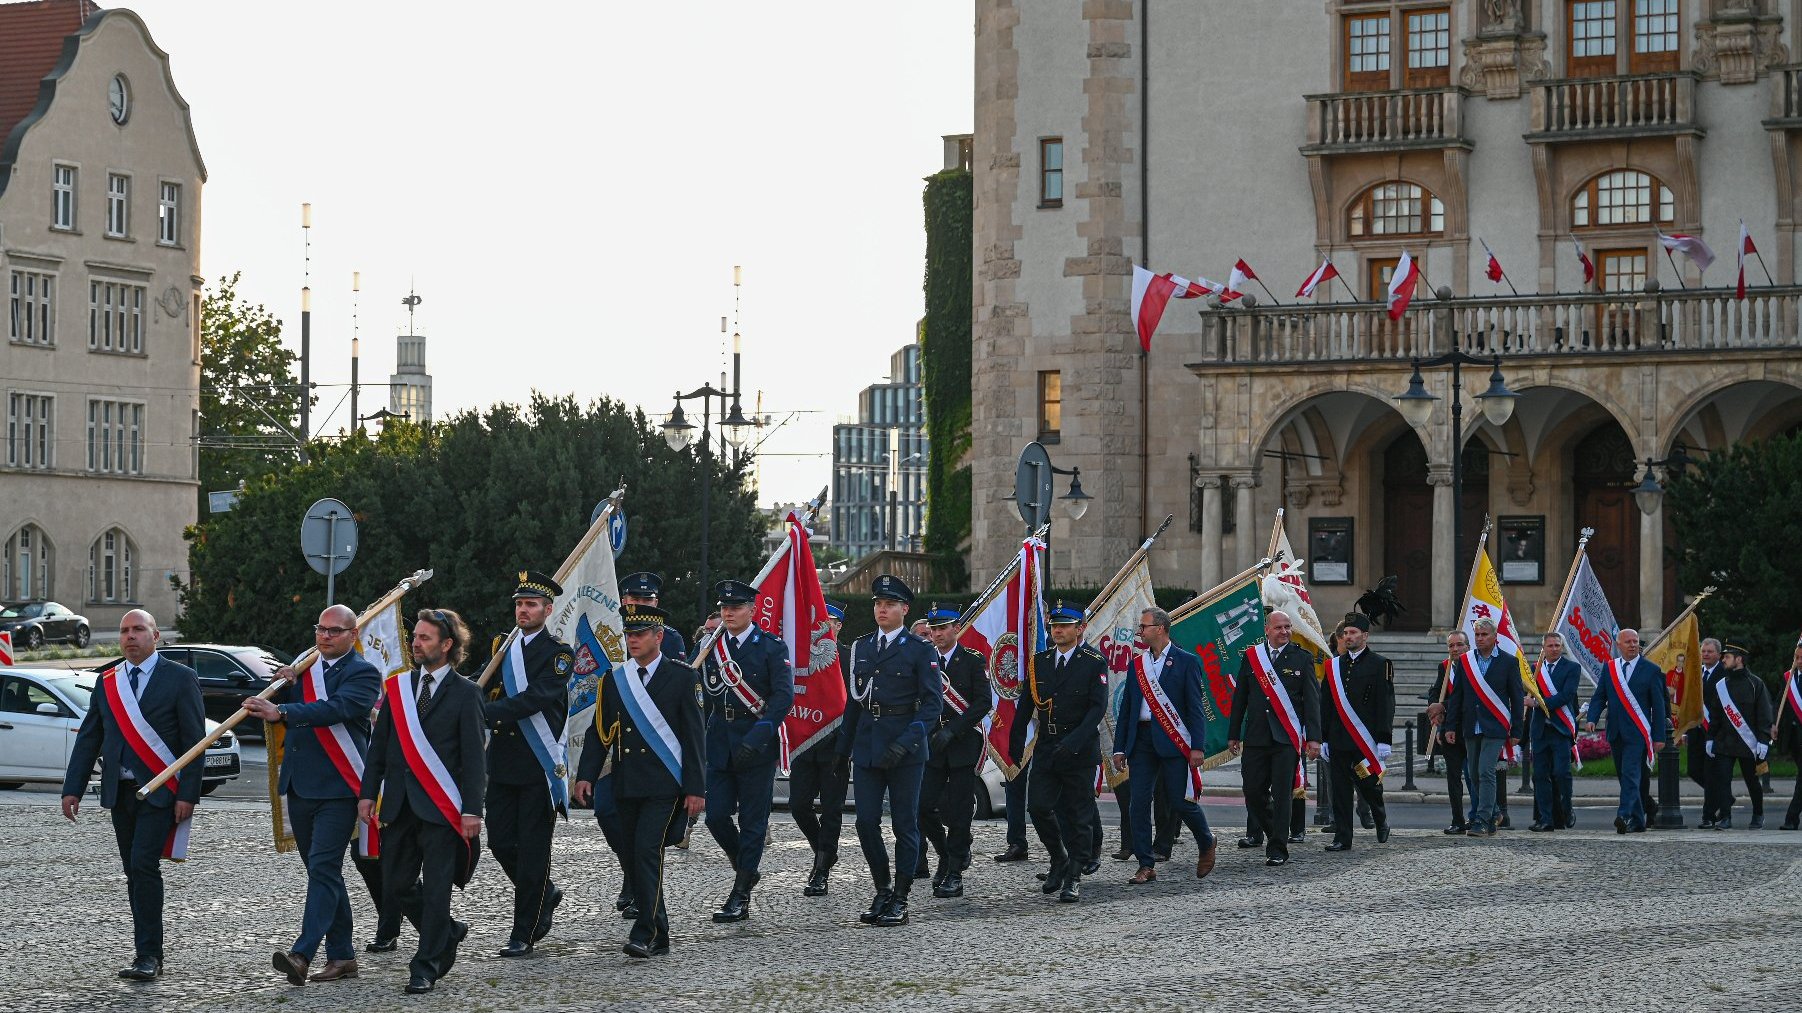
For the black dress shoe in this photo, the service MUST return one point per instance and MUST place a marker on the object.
(1298, 836)
(1251, 842)
(1072, 891)
(622, 902)
(1159, 856)
(895, 913)
(143, 969)
(1054, 879)
(1383, 833)
(1505, 824)
(878, 905)
(1089, 868)
(551, 900)
(1724, 823)
(1013, 854)
(1541, 828)
(1337, 846)
(459, 932)
(1124, 855)
(1276, 861)
(951, 886)
(1620, 825)
(816, 881)
(629, 913)
(642, 950)
(382, 945)
(419, 984)
(1791, 825)
(515, 948)
(1368, 820)
(1455, 829)
(1705, 825)
(1756, 824)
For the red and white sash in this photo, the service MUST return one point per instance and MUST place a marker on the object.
(1565, 717)
(953, 698)
(1265, 670)
(1348, 716)
(1793, 696)
(1164, 713)
(1486, 694)
(153, 754)
(1735, 718)
(342, 750)
(733, 677)
(1634, 711)
(422, 759)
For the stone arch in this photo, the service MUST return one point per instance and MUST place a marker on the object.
(1777, 404)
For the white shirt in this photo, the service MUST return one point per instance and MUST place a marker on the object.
(144, 671)
(525, 639)
(438, 676)
(886, 637)
(1154, 668)
(650, 670)
(1353, 657)
(1062, 656)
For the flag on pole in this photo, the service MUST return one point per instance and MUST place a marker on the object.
(586, 617)
(1494, 271)
(1745, 247)
(1690, 246)
(1284, 590)
(1241, 274)
(1324, 273)
(1008, 631)
(1151, 292)
(791, 607)
(1114, 631)
(1588, 624)
(1401, 285)
(1485, 601)
(1218, 631)
(1679, 653)
(1589, 266)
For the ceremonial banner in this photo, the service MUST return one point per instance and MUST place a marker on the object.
(1679, 654)
(792, 608)
(1485, 601)
(1008, 631)
(586, 617)
(1219, 630)
(1284, 591)
(1114, 631)
(1587, 623)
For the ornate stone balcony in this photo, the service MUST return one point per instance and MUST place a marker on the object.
(1707, 321)
(1349, 122)
(1786, 98)
(1637, 105)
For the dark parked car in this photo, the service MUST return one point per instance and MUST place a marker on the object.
(227, 674)
(35, 623)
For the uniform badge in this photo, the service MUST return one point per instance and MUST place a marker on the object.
(564, 664)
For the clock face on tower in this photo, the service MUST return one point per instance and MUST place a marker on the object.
(118, 98)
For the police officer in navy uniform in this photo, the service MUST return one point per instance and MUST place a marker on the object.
(644, 588)
(948, 792)
(821, 773)
(1066, 698)
(742, 743)
(521, 809)
(896, 698)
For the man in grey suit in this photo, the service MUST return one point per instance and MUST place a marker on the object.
(166, 698)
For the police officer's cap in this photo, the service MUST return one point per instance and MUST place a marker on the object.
(641, 584)
(1065, 615)
(943, 615)
(733, 592)
(636, 618)
(1356, 620)
(835, 610)
(892, 588)
(1733, 649)
(533, 584)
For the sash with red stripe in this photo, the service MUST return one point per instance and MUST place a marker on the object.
(1618, 679)
(1164, 713)
(342, 750)
(1792, 695)
(733, 676)
(422, 759)
(1486, 694)
(1265, 670)
(1348, 716)
(153, 754)
(1563, 715)
(1735, 718)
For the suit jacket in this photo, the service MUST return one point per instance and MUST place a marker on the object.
(1370, 686)
(1647, 686)
(1254, 722)
(549, 662)
(637, 772)
(1068, 710)
(902, 699)
(968, 673)
(1463, 710)
(1566, 678)
(172, 706)
(1185, 684)
(1754, 703)
(453, 725)
(1789, 727)
(352, 686)
(763, 662)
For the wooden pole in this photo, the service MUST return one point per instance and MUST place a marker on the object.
(1276, 535)
(300, 664)
(1665, 633)
(1113, 585)
(1215, 593)
(808, 513)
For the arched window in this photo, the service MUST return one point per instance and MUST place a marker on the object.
(1396, 209)
(26, 565)
(1622, 197)
(109, 567)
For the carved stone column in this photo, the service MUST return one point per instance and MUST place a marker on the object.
(1245, 528)
(1651, 571)
(1439, 476)
(1738, 43)
(1211, 491)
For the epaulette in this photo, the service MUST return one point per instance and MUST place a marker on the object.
(1090, 650)
(495, 648)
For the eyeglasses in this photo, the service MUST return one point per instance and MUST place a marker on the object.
(334, 631)
(1151, 626)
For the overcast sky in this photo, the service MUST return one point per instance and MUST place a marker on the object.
(570, 185)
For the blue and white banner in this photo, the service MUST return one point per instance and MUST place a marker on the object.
(586, 617)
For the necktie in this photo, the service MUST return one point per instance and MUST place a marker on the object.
(135, 672)
(425, 690)
(881, 644)
(1059, 667)
(644, 676)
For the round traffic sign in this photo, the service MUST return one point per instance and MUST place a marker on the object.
(328, 536)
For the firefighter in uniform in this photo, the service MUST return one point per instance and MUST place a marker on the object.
(1067, 692)
(948, 793)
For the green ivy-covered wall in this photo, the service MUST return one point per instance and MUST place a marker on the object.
(945, 373)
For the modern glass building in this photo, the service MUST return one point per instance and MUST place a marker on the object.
(882, 452)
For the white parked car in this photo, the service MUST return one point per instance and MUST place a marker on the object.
(41, 709)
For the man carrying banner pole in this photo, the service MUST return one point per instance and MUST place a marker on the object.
(1553, 736)
(1634, 698)
(821, 775)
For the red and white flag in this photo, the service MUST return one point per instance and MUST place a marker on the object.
(1690, 246)
(1401, 285)
(1494, 269)
(1324, 273)
(1745, 247)
(1241, 274)
(792, 608)
(1008, 631)
(1589, 266)
(1151, 292)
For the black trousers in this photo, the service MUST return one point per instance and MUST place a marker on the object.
(645, 824)
(947, 805)
(1795, 803)
(1269, 773)
(1342, 782)
(141, 830)
(387, 919)
(414, 848)
(519, 822)
(1454, 780)
(1696, 743)
(819, 775)
(1165, 825)
(1060, 799)
(1718, 802)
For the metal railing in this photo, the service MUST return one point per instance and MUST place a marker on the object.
(1634, 102)
(1412, 117)
(914, 569)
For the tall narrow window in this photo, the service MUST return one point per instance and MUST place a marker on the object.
(110, 567)
(62, 197)
(1654, 37)
(168, 214)
(116, 317)
(1367, 42)
(1429, 48)
(1381, 270)
(33, 305)
(27, 560)
(118, 205)
(116, 437)
(1051, 172)
(1590, 37)
(28, 439)
(1051, 406)
(1622, 270)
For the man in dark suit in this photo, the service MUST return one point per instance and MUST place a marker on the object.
(742, 739)
(822, 774)
(896, 695)
(1788, 732)
(1487, 722)
(156, 698)
(1366, 686)
(429, 833)
(1065, 701)
(1158, 741)
(652, 726)
(327, 719)
(1633, 688)
(527, 708)
(1695, 739)
(1740, 735)
(1272, 737)
(1552, 733)
(948, 790)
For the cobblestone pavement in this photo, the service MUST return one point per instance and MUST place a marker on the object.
(1675, 920)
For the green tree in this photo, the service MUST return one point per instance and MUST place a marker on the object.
(1737, 517)
(945, 350)
(249, 395)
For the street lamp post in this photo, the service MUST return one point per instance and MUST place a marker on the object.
(1416, 406)
(1649, 496)
(679, 433)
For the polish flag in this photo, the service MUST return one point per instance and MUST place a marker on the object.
(1008, 631)
(1151, 292)
(1242, 273)
(1203, 287)
(1589, 267)
(1690, 246)
(1494, 271)
(1745, 247)
(1324, 273)
(1401, 285)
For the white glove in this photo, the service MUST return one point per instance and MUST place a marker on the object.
(1383, 751)
(1326, 751)
(1762, 750)
(1709, 749)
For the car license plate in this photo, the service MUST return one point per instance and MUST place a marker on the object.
(219, 761)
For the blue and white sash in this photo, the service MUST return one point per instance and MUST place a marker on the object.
(548, 747)
(638, 703)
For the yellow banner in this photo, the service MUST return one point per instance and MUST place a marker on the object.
(1680, 655)
(1485, 601)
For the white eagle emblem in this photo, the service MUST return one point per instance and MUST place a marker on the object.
(822, 652)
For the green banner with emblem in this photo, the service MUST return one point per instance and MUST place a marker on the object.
(1218, 630)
